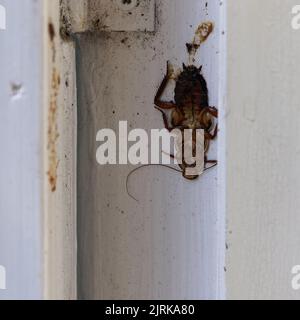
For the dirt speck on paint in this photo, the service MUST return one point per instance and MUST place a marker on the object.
(202, 33)
(98, 25)
(17, 90)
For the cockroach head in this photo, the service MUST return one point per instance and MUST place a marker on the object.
(189, 80)
(191, 71)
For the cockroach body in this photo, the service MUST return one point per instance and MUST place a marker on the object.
(190, 110)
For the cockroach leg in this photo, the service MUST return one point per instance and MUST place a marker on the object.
(215, 132)
(170, 155)
(213, 136)
(213, 162)
(164, 104)
(165, 118)
(211, 167)
(213, 111)
(157, 101)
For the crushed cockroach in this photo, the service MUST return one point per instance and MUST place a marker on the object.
(190, 108)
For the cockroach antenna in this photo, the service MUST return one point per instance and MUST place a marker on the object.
(145, 166)
(154, 165)
(211, 167)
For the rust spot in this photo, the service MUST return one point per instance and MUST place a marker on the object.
(201, 35)
(52, 115)
(51, 31)
(53, 134)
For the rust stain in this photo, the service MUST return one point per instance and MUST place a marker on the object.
(53, 134)
(201, 35)
(51, 31)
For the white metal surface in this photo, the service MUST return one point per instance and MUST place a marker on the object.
(263, 155)
(171, 243)
(20, 141)
(37, 139)
(2, 18)
(59, 161)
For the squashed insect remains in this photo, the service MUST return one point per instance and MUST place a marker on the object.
(190, 109)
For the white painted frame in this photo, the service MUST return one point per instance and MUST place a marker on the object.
(38, 221)
(102, 231)
(262, 145)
